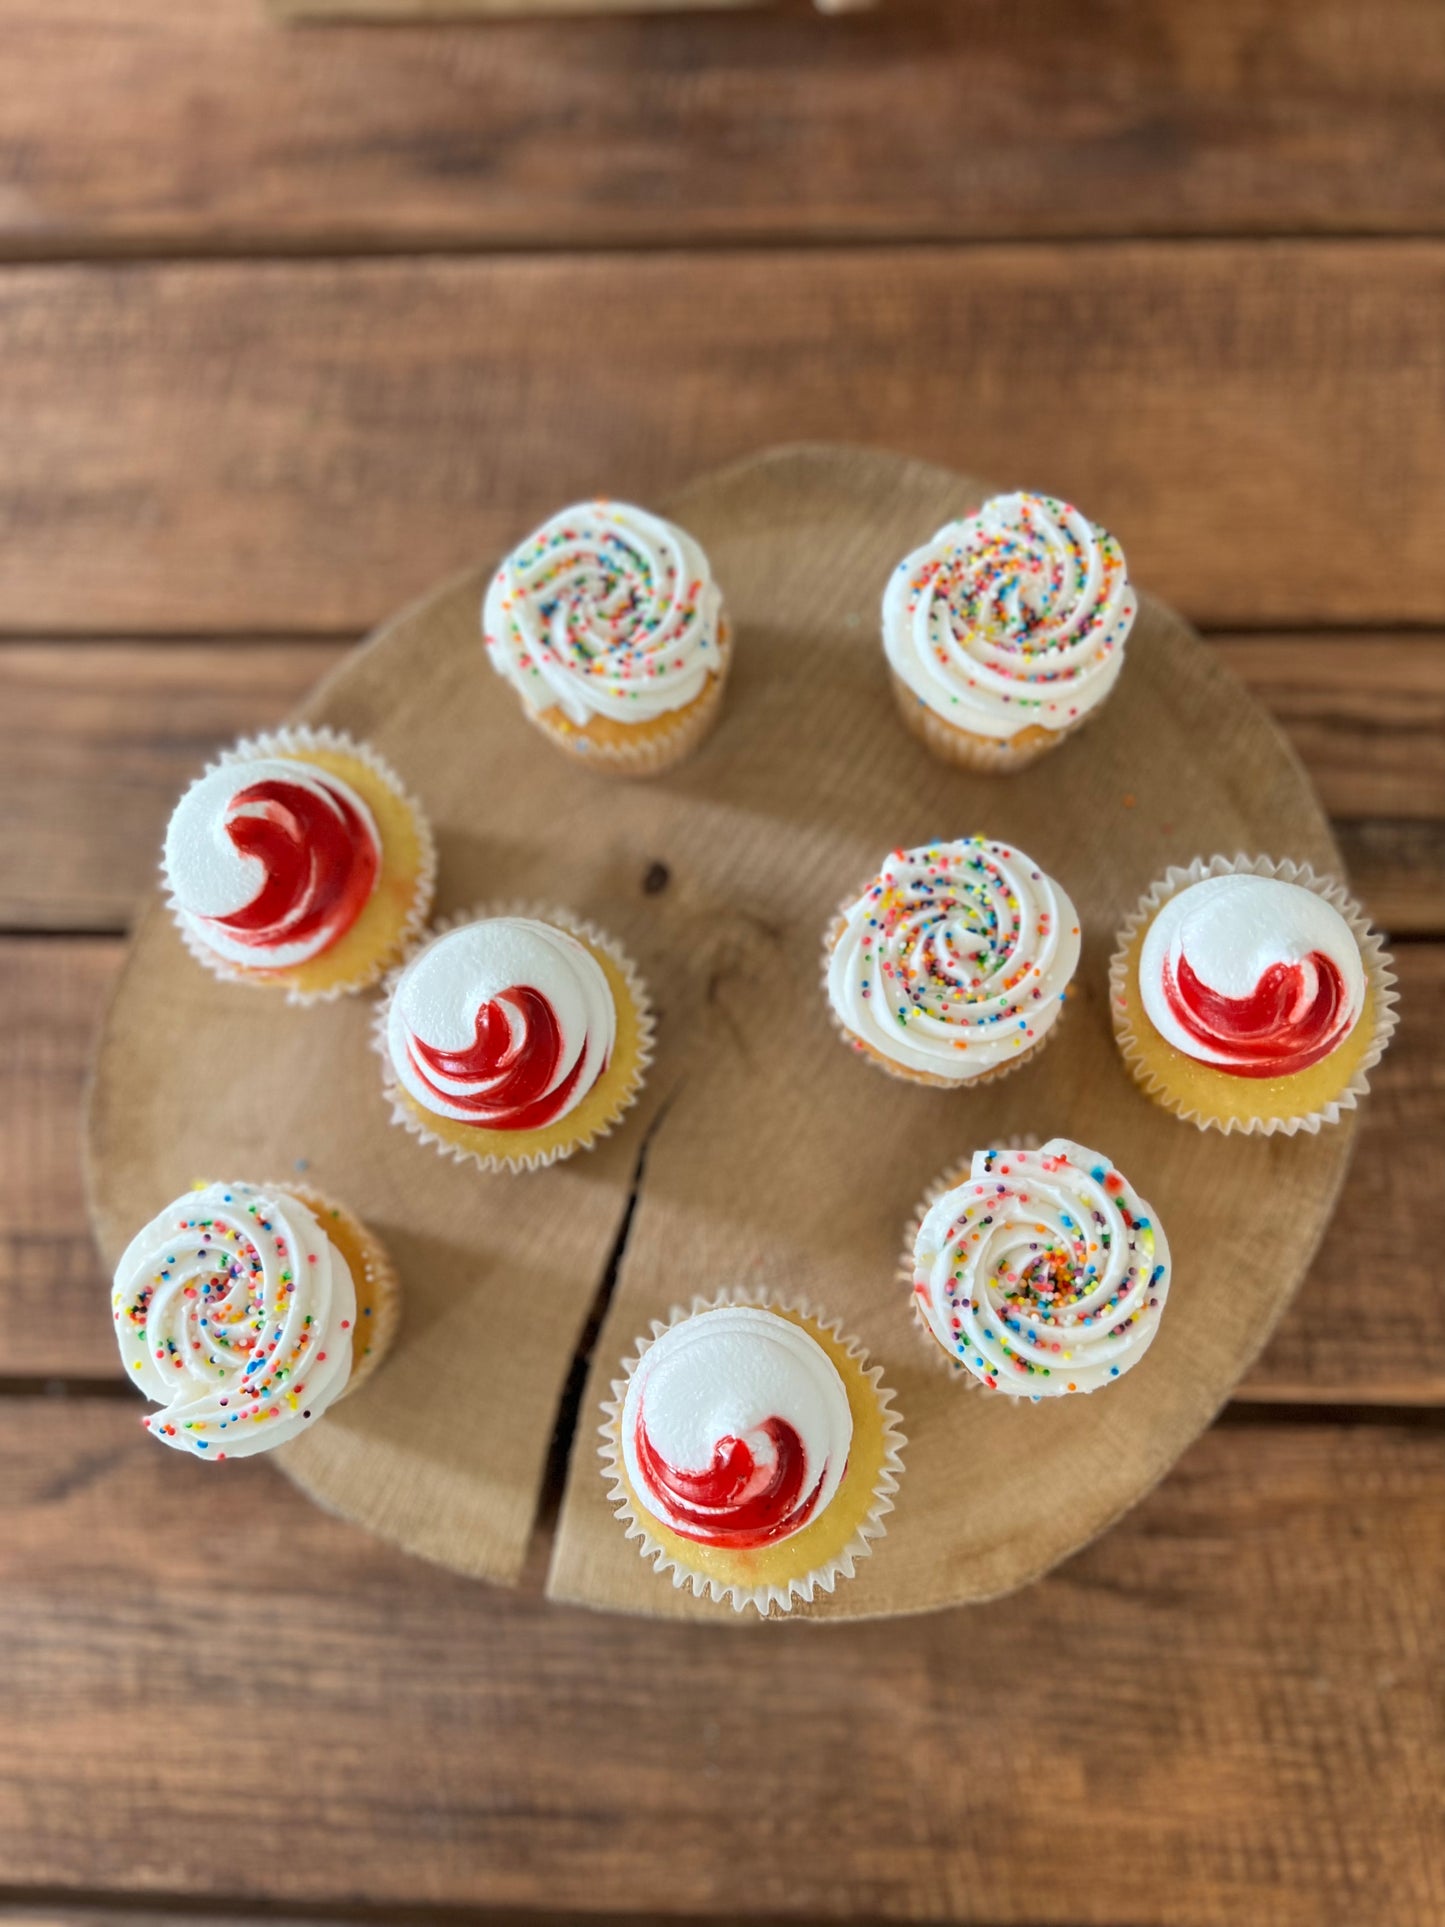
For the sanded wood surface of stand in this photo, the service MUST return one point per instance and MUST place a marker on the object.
(763, 1154)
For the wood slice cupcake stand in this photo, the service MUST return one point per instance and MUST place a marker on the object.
(762, 1153)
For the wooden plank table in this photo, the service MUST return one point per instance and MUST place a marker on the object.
(291, 323)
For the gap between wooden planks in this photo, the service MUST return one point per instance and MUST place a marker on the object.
(1248, 1726)
(926, 119)
(305, 446)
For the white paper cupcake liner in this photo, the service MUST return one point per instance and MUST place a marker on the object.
(295, 740)
(948, 1180)
(408, 1115)
(1378, 972)
(990, 756)
(774, 1598)
(875, 1057)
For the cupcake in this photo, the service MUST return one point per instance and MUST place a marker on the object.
(1039, 1272)
(1007, 630)
(608, 624)
(514, 1040)
(247, 1311)
(299, 861)
(1250, 995)
(752, 1452)
(951, 965)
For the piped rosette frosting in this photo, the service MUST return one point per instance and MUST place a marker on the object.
(1043, 1272)
(954, 960)
(505, 1024)
(736, 1428)
(235, 1313)
(605, 611)
(1253, 975)
(270, 861)
(1013, 617)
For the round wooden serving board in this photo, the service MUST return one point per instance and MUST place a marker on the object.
(763, 1152)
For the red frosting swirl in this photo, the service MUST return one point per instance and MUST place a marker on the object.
(1294, 1016)
(320, 859)
(735, 1501)
(506, 1071)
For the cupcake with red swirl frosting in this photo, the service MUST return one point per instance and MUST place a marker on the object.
(1006, 631)
(514, 1039)
(246, 1312)
(607, 623)
(298, 861)
(752, 1451)
(1251, 995)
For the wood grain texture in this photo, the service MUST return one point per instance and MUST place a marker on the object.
(1232, 1702)
(98, 739)
(294, 447)
(928, 118)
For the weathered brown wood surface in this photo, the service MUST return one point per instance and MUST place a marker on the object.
(1228, 1710)
(927, 118)
(306, 446)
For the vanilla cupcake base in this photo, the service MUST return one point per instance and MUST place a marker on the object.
(644, 748)
(397, 909)
(599, 1112)
(1213, 1099)
(996, 756)
(772, 1579)
(378, 1289)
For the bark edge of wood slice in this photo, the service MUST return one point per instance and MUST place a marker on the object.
(763, 1154)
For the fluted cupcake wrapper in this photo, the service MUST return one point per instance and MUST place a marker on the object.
(1379, 973)
(990, 756)
(861, 1048)
(296, 740)
(410, 1116)
(776, 1598)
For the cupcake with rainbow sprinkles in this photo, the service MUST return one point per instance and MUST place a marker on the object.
(951, 965)
(1007, 631)
(607, 623)
(1038, 1273)
(246, 1312)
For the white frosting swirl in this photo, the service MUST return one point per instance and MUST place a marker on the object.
(955, 958)
(270, 860)
(736, 1428)
(605, 611)
(1253, 974)
(1042, 1273)
(506, 1024)
(1014, 616)
(236, 1313)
